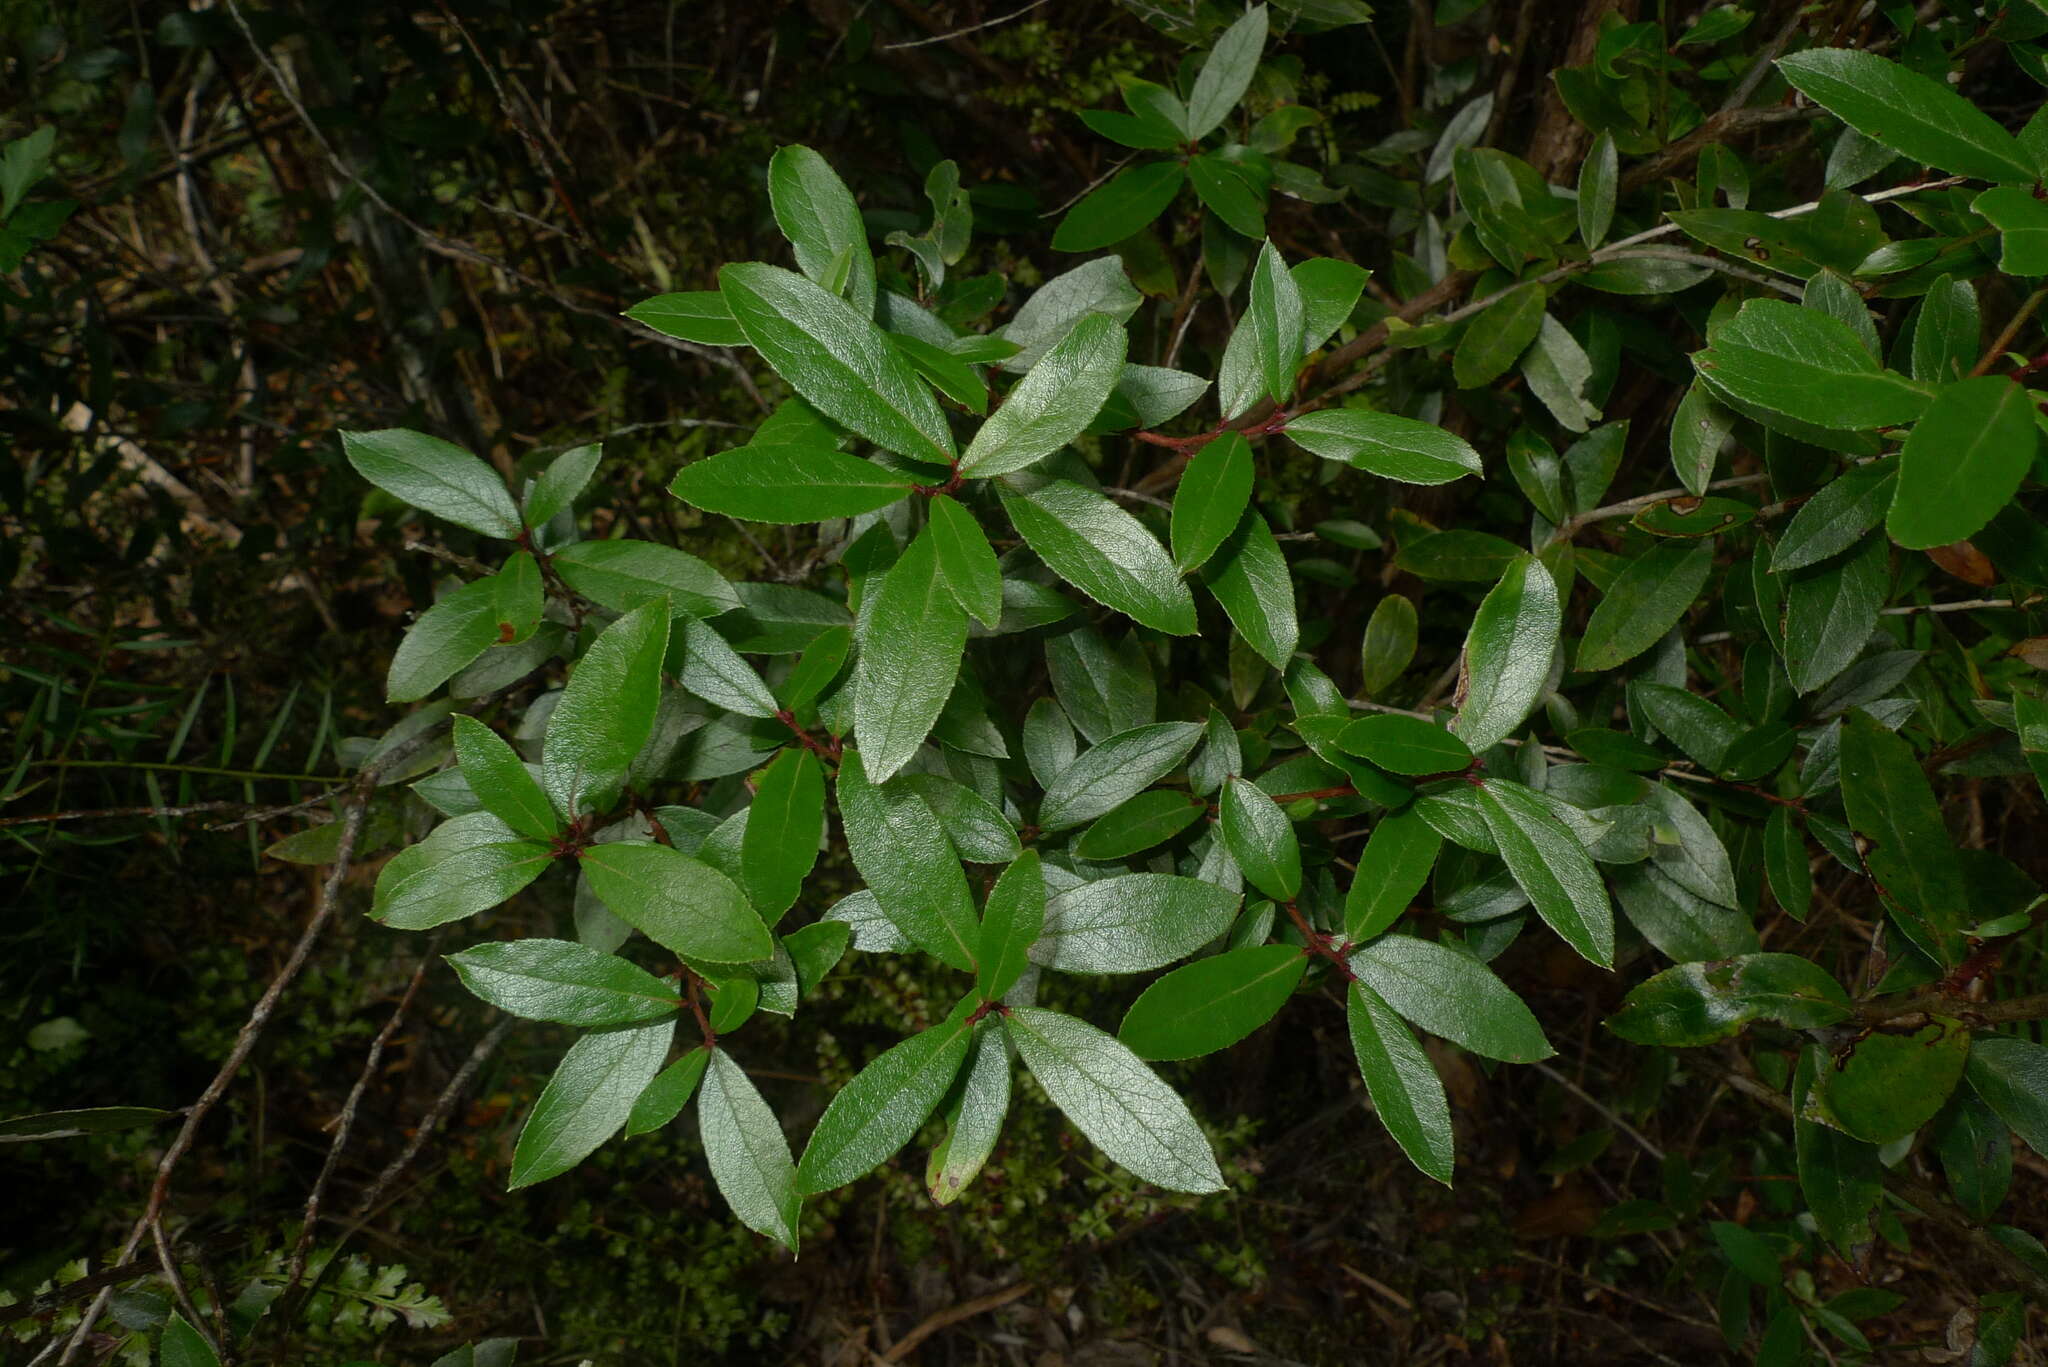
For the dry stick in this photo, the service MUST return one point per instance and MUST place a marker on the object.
(432, 1121)
(1609, 1116)
(245, 1043)
(101, 813)
(346, 1121)
(963, 32)
(966, 1310)
(1629, 506)
(2012, 330)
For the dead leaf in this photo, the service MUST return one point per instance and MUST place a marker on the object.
(1571, 1209)
(2034, 650)
(1966, 563)
(1230, 1340)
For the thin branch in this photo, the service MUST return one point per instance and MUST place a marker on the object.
(1630, 506)
(962, 33)
(1600, 1109)
(109, 813)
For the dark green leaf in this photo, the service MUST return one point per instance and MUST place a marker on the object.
(1496, 339)
(1645, 601)
(1149, 819)
(748, 1156)
(2011, 1075)
(966, 561)
(1131, 200)
(1115, 771)
(1276, 317)
(1138, 1122)
(1053, 403)
(1227, 192)
(1507, 654)
(1212, 1003)
(1786, 359)
(1836, 517)
(1550, 864)
(974, 1118)
(815, 950)
(435, 477)
(900, 848)
(664, 1098)
(1914, 114)
(1405, 1089)
(469, 864)
(1010, 925)
(1975, 1146)
(606, 713)
(1405, 745)
(1909, 855)
(1330, 290)
(698, 316)
(1261, 840)
(500, 780)
(1693, 724)
(447, 636)
(1946, 331)
(23, 1129)
(517, 598)
(1696, 1004)
(911, 640)
(886, 1103)
(1785, 864)
(588, 1098)
(560, 980)
(1226, 73)
(1105, 552)
(623, 575)
(788, 484)
(1131, 923)
(556, 490)
(1389, 643)
(1451, 994)
(1385, 445)
(977, 827)
(1394, 867)
(680, 903)
(1599, 174)
(785, 824)
(1962, 462)
(1830, 612)
(1699, 429)
(184, 1346)
(837, 360)
(1840, 1177)
(1248, 575)
(1214, 492)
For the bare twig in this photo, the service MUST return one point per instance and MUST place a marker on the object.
(963, 32)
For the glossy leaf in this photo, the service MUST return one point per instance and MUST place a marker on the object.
(606, 713)
(1405, 745)
(469, 864)
(886, 1103)
(1451, 994)
(1404, 1087)
(1276, 318)
(837, 360)
(560, 980)
(1053, 403)
(789, 484)
(1149, 819)
(588, 1098)
(902, 852)
(1248, 575)
(1214, 492)
(1699, 1003)
(1914, 114)
(785, 823)
(1386, 445)
(1212, 1003)
(1121, 208)
(911, 640)
(1261, 839)
(1699, 429)
(1389, 644)
(1830, 612)
(435, 477)
(1228, 192)
(1138, 1122)
(698, 316)
(818, 215)
(1909, 855)
(1840, 1177)
(974, 1117)
(680, 903)
(1010, 925)
(1891, 1082)
(1115, 771)
(1798, 361)
(714, 671)
(1508, 653)
(1496, 339)
(1550, 865)
(1646, 600)
(746, 1151)
(1962, 462)
(1131, 923)
(1946, 331)
(966, 561)
(1226, 73)
(445, 639)
(501, 781)
(664, 1098)
(1393, 868)
(184, 1346)
(1105, 552)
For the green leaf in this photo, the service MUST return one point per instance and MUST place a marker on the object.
(902, 852)
(560, 980)
(624, 575)
(1836, 517)
(1155, 394)
(1389, 644)
(1393, 868)
(837, 360)
(1138, 1122)
(680, 903)
(1449, 993)
(1550, 864)
(24, 162)
(818, 667)
(1115, 771)
(886, 1103)
(1946, 330)
(1010, 925)
(911, 640)
(1699, 429)
(517, 600)
(588, 1098)
(1963, 461)
(1105, 552)
(435, 477)
(698, 316)
(664, 1098)
(1131, 923)
(1890, 1084)
(1385, 445)
(788, 484)
(1227, 192)
(748, 1156)
(1840, 1177)
(818, 215)
(1405, 745)
(181, 1345)
(1330, 290)
(1694, 724)
(1830, 612)
(606, 713)
(469, 864)
(1599, 174)
(785, 824)
(977, 827)
(955, 378)
(1151, 818)
(447, 636)
(501, 781)
(1212, 1003)
(1261, 839)
(1405, 1090)
(1975, 1146)
(1909, 855)
(815, 950)
(1276, 318)
(1248, 575)
(714, 671)
(1646, 600)
(966, 562)
(92, 1120)
(1496, 339)
(1791, 878)
(1146, 135)
(1508, 653)
(1558, 372)
(1913, 114)
(1778, 356)
(1098, 286)
(2011, 1075)
(974, 1118)
(1122, 208)
(1215, 490)
(1053, 403)
(556, 490)
(1699, 1003)
(1226, 74)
